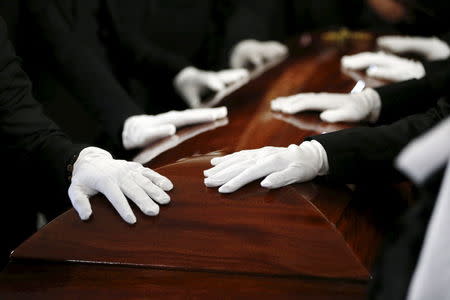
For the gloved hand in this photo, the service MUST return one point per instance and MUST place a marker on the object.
(430, 47)
(95, 171)
(141, 130)
(365, 105)
(191, 83)
(385, 66)
(256, 53)
(281, 165)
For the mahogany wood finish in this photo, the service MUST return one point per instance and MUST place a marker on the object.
(78, 281)
(310, 239)
(251, 231)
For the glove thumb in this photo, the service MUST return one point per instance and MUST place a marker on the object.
(214, 83)
(80, 201)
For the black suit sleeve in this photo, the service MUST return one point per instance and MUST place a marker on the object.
(364, 153)
(261, 20)
(138, 51)
(405, 98)
(25, 131)
(436, 66)
(86, 74)
(445, 37)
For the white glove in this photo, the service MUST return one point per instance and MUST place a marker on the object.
(95, 171)
(141, 130)
(191, 83)
(281, 165)
(385, 66)
(430, 47)
(365, 105)
(256, 53)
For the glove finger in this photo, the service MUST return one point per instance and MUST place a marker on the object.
(218, 160)
(255, 171)
(363, 60)
(275, 104)
(290, 99)
(218, 112)
(161, 181)
(282, 50)
(113, 193)
(309, 103)
(272, 52)
(340, 115)
(154, 191)
(230, 76)
(223, 165)
(268, 54)
(279, 102)
(150, 135)
(80, 201)
(227, 174)
(240, 155)
(396, 44)
(244, 154)
(256, 60)
(136, 194)
(237, 62)
(192, 97)
(193, 116)
(388, 73)
(214, 83)
(285, 177)
(277, 48)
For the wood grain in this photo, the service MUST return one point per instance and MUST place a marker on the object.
(77, 281)
(254, 230)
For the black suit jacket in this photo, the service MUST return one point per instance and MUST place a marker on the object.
(27, 135)
(398, 259)
(71, 36)
(98, 46)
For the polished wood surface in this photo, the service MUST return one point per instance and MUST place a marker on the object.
(253, 230)
(77, 281)
(326, 233)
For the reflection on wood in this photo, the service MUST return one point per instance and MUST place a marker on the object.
(165, 144)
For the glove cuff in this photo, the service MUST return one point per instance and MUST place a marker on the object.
(320, 155)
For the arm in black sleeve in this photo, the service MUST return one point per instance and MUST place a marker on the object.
(139, 52)
(436, 66)
(86, 75)
(363, 154)
(261, 20)
(25, 131)
(446, 37)
(405, 98)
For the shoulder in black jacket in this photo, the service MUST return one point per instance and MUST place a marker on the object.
(26, 133)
